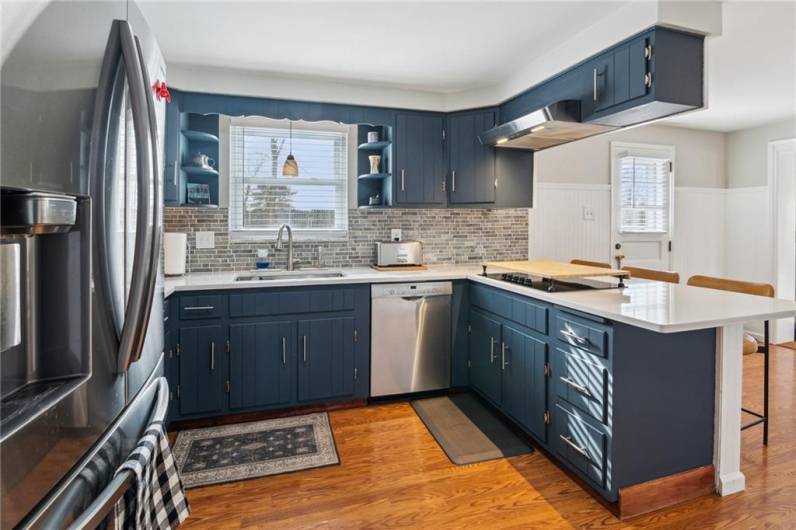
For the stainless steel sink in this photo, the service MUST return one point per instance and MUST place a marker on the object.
(287, 275)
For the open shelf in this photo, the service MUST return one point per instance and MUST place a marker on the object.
(199, 136)
(374, 146)
(197, 170)
(373, 206)
(374, 176)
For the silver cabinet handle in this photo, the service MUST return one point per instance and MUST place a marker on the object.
(199, 308)
(594, 84)
(176, 172)
(577, 386)
(403, 188)
(648, 80)
(453, 181)
(284, 351)
(503, 349)
(492, 350)
(212, 356)
(576, 447)
(577, 338)
(305, 349)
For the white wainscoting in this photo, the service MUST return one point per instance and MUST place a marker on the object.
(558, 230)
(556, 225)
(698, 242)
(747, 251)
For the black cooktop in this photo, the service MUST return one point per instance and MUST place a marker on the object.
(558, 286)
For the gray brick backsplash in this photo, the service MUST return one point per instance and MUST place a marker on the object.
(448, 236)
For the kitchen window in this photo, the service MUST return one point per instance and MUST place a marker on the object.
(261, 198)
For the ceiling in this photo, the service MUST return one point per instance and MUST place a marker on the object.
(435, 46)
(751, 68)
(456, 47)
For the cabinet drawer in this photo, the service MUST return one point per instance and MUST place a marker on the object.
(294, 301)
(582, 381)
(580, 445)
(583, 334)
(524, 311)
(196, 307)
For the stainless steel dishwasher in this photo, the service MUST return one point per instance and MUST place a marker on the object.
(410, 337)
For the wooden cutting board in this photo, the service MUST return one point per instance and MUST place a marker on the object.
(556, 270)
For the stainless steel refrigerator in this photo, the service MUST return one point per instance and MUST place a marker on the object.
(82, 324)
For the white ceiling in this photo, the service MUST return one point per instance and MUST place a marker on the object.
(456, 47)
(435, 46)
(751, 68)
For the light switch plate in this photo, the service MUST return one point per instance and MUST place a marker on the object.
(588, 213)
(395, 234)
(205, 240)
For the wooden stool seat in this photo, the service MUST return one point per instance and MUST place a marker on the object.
(652, 274)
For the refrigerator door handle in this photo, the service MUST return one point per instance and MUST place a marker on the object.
(151, 272)
(139, 300)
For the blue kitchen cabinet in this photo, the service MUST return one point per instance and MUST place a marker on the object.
(172, 173)
(523, 360)
(202, 366)
(262, 360)
(326, 367)
(472, 164)
(419, 170)
(485, 367)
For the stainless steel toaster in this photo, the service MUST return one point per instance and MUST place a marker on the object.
(399, 253)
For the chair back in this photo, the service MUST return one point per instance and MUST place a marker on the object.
(738, 286)
(652, 274)
(590, 263)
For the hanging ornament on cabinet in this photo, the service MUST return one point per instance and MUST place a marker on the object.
(161, 91)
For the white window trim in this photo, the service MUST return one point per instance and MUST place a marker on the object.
(259, 234)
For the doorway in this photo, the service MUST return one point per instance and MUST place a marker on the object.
(642, 197)
(782, 186)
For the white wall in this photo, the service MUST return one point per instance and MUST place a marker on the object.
(575, 176)
(746, 152)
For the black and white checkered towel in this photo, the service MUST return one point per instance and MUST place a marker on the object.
(156, 498)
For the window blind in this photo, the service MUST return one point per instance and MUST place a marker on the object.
(314, 203)
(644, 194)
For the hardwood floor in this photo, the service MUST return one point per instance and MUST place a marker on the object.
(393, 474)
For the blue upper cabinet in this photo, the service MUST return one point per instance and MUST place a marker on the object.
(420, 161)
(472, 164)
(653, 74)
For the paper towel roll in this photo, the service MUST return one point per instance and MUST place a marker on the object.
(175, 247)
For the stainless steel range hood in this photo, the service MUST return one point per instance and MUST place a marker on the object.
(552, 125)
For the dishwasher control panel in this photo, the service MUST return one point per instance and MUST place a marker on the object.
(411, 289)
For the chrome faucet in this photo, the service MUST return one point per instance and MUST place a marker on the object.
(289, 244)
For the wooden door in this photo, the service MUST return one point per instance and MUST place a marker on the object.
(472, 164)
(326, 348)
(202, 369)
(262, 361)
(523, 359)
(485, 355)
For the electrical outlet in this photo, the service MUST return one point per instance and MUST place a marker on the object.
(395, 234)
(588, 213)
(205, 240)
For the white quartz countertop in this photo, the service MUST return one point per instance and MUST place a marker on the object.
(657, 306)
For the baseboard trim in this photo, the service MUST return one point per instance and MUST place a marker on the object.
(666, 491)
(243, 417)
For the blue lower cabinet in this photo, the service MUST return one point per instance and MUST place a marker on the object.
(267, 349)
(485, 370)
(581, 444)
(202, 378)
(326, 367)
(262, 361)
(523, 360)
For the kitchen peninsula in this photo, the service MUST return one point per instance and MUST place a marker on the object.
(606, 381)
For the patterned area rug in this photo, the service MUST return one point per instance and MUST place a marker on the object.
(257, 449)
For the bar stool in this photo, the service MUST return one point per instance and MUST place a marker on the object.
(750, 344)
(652, 274)
(590, 263)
